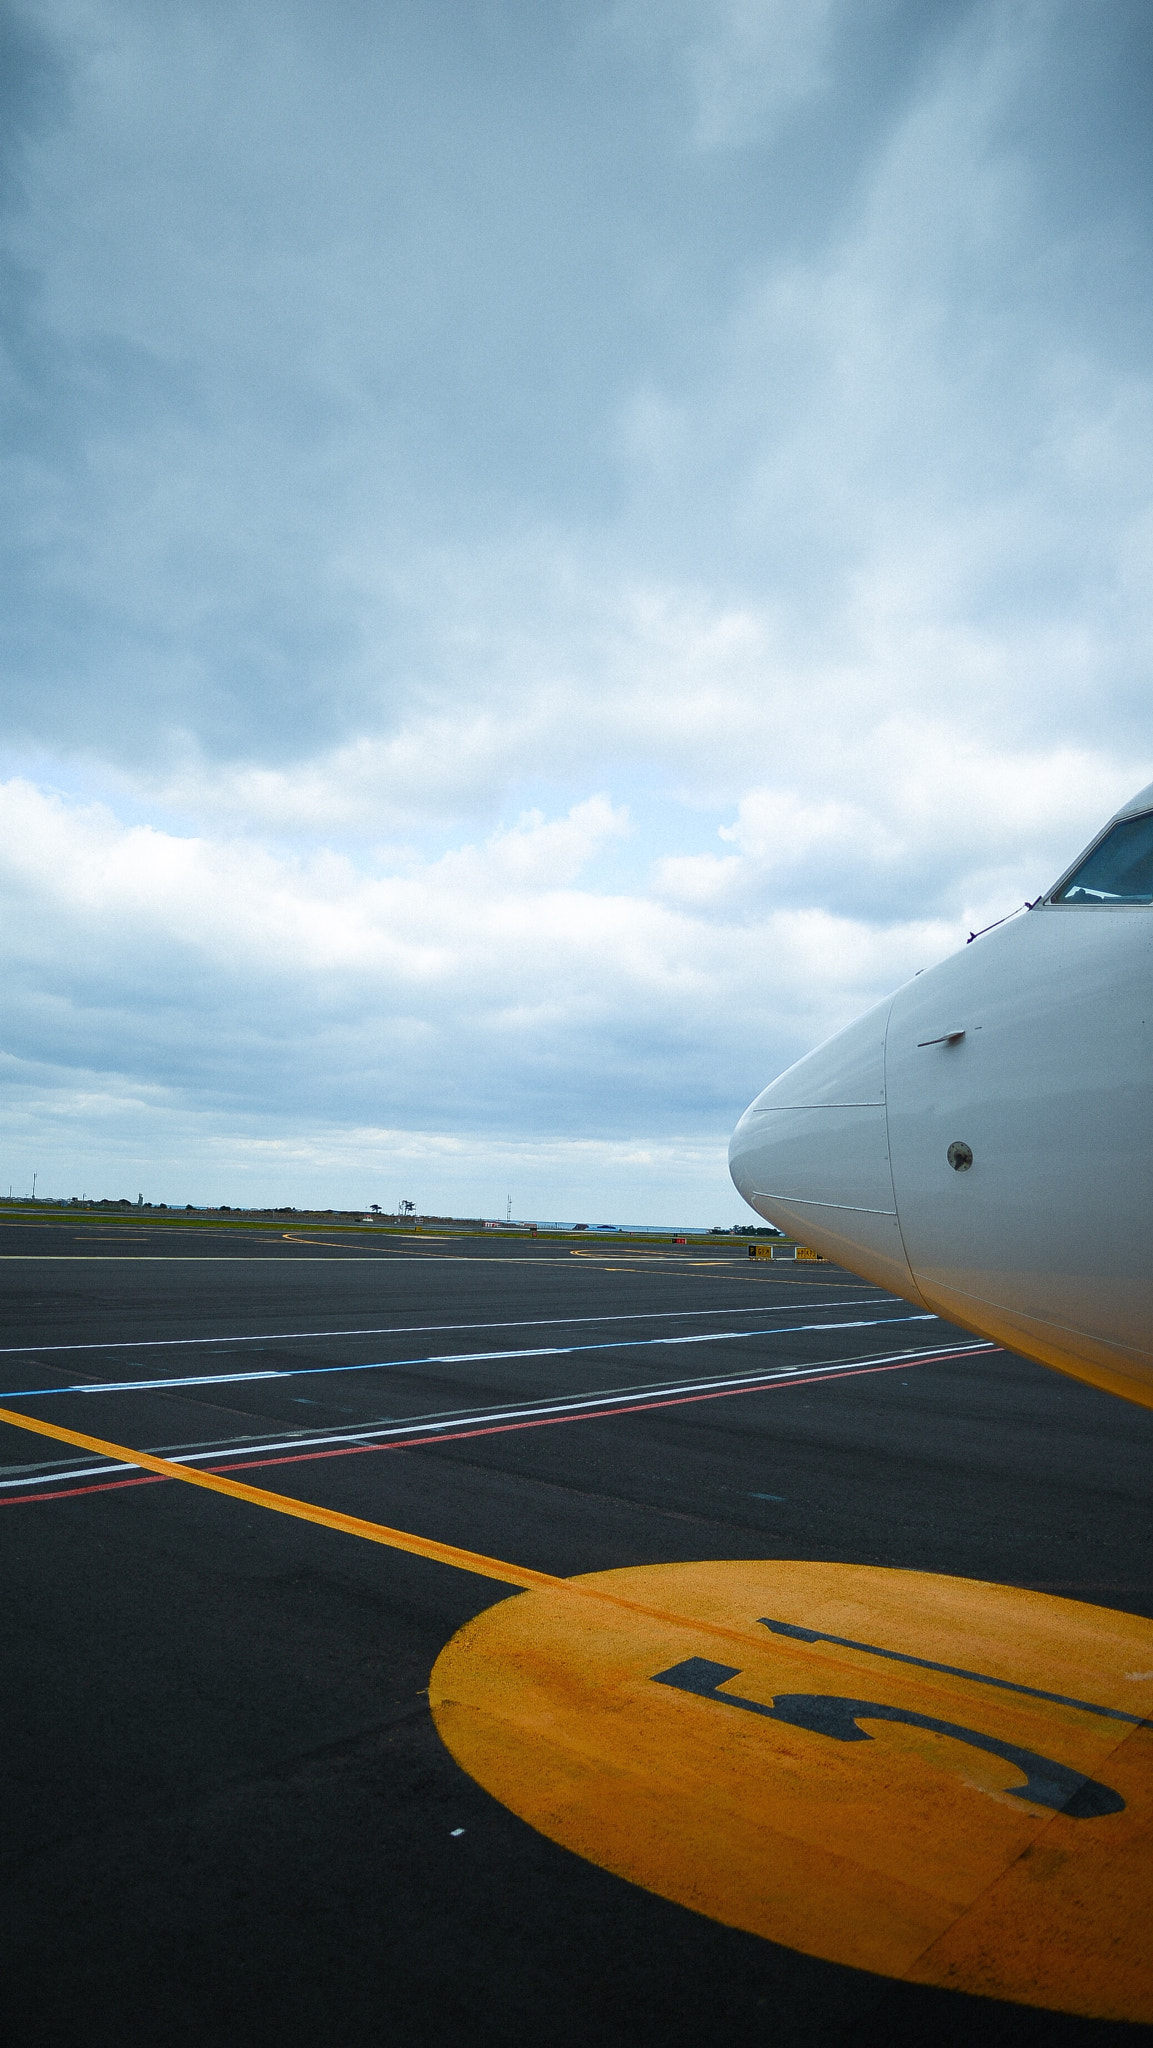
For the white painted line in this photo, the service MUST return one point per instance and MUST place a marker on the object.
(439, 1422)
(452, 1358)
(780, 1308)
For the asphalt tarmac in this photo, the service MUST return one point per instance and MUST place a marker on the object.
(229, 1814)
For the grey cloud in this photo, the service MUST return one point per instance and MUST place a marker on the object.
(312, 286)
(33, 93)
(493, 990)
(420, 416)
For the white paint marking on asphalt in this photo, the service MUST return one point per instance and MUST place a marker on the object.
(451, 1358)
(656, 1315)
(577, 1404)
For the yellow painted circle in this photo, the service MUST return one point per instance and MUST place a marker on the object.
(964, 1833)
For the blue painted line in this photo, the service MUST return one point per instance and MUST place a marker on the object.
(449, 1427)
(659, 1315)
(454, 1358)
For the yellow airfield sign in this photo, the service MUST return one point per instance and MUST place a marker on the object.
(926, 1777)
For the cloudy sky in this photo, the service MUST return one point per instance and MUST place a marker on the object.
(552, 553)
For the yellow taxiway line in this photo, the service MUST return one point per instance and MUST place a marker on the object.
(302, 1510)
(591, 1714)
(521, 1576)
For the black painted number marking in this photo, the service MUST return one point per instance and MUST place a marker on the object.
(1046, 1783)
(1032, 1692)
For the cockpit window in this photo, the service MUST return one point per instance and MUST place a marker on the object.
(1120, 870)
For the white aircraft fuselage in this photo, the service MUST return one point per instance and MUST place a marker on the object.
(982, 1141)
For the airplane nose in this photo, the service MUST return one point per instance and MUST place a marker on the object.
(811, 1154)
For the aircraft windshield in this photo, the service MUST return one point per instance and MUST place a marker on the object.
(1120, 870)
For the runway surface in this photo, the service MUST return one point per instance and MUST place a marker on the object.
(511, 1641)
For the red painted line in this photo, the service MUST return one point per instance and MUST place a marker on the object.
(20, 1500)
(506, 1428)
(587, 1415)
